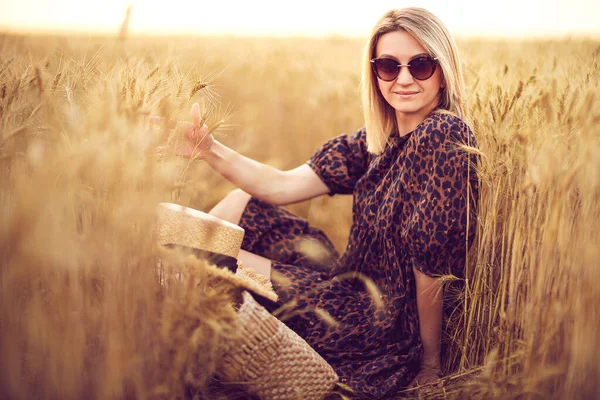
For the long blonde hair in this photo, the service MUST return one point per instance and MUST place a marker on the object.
(427, 29)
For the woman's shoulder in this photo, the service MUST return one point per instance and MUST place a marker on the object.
(360, 133)
(446, 123)
(443, 127)
(359, 137)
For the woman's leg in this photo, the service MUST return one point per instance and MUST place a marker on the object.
(260, 264)
(232, 206)
(231, 209)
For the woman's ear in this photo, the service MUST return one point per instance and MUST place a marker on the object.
(442, 85)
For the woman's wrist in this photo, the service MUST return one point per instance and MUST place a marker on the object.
(431, 361)
(214, 152)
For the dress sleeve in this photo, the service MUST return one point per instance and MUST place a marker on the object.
(443, 212)
(341, 161)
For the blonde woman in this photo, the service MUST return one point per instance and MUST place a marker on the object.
(413, 214)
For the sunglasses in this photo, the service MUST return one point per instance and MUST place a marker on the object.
(420, 67)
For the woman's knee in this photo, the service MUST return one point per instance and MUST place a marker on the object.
(232, 206)
(237, 198)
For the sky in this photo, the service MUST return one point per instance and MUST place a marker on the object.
(506, 18)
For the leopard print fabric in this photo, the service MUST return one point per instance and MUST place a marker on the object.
(414, 206)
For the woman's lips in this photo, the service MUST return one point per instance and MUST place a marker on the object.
(406, 95)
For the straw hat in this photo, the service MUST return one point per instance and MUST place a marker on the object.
(215, 240)
(267, 358)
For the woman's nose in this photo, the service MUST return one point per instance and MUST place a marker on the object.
(404, 76)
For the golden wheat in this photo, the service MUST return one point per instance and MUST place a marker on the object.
(81, 312)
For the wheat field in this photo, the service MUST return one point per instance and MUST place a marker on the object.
(82, 314)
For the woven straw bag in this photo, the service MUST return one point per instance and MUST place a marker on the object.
(272, 360)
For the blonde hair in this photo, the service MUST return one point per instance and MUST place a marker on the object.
(432, 34)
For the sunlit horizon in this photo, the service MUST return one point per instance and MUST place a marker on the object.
(467, 18)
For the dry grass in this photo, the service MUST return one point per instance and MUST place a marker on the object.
(81, 313)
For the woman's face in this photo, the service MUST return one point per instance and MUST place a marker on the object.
(411, 98)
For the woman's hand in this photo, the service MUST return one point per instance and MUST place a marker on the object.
(187, 139)
(427, 376)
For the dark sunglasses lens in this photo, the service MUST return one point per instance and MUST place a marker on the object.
(422, 68)
(386, 69)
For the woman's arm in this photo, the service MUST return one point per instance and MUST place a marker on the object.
(263, 181)
(430, 307)
(445, 189)
(193, 140)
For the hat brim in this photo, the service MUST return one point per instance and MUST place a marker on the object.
(215, 240)
(245, 280)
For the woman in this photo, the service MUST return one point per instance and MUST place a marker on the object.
(413, 214)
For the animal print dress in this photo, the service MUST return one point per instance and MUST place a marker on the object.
(414, 206)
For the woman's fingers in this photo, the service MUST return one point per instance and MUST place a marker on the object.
(177, 127)
(182, 138)
(196, 116)
(186, 131)
(156, 120)
(197, 134)
(200, 129)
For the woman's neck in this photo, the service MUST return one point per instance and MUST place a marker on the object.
(407, 122)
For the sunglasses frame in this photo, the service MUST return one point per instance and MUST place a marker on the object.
(431, 58)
